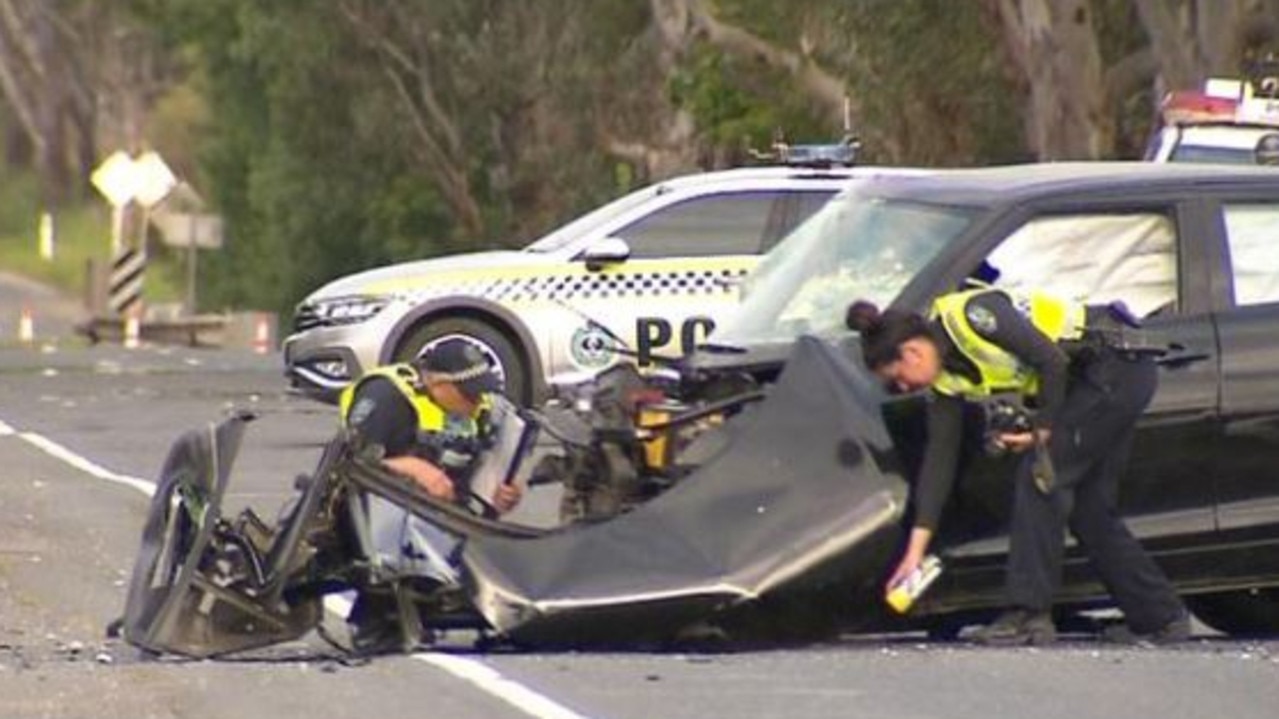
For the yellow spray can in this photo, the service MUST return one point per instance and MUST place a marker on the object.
(901, 597)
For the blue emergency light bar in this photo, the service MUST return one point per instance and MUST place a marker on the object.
(830, 155)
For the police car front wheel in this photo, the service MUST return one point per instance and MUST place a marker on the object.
(492, 342)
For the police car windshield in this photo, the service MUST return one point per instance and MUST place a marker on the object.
(585, 224)
(858, 246)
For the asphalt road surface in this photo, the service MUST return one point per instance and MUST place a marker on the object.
(82, 430)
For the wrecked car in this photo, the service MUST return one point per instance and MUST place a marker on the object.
(750, 530)
(761, 484)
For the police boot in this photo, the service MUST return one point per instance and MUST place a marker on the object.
(1016, 628)
(1174, 632)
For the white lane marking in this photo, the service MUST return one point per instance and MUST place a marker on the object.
(489, 680)
(477, 673)
(84, 465)
(480, 674)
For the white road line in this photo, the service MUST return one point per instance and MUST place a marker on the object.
(489, 680)
(475, 672)
(57, 451)
(481, 675)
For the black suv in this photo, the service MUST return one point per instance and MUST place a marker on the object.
(1193, 250)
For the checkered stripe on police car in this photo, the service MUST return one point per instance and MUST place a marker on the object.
(603, 285)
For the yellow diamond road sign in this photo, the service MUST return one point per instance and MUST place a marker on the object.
(123, 179)
(113, 178)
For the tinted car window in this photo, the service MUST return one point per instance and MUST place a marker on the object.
(1096, 258)
(727, 224)
(1252, 232)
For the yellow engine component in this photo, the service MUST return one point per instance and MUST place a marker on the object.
(657, 442)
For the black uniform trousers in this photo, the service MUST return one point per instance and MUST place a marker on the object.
(1091, 440)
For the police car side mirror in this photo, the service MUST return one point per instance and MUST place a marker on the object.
(607, 251)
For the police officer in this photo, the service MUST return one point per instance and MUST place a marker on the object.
(1087, 396)
(430, 418)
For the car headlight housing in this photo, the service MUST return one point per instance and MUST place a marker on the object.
(349, 310)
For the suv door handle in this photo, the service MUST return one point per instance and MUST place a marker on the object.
(1181, 356)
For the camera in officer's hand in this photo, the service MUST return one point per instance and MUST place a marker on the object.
(1003, 415)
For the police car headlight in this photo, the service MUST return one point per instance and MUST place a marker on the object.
(350, 310)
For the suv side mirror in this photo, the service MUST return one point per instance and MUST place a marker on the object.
(607, 251)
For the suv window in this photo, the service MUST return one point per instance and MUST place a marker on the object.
(724, 224)
(1252, 233)
(1095, 258)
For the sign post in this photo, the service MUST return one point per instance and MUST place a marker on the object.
(189, 229)
(114, 180)
(45, 236)
(125, 180)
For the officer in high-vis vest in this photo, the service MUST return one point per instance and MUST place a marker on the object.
(430, 417)
(1086, 392)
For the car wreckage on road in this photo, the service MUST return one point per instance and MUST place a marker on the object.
(760, 487)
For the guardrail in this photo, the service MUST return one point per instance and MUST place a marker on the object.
(246, 330)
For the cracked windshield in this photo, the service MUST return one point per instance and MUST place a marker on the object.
(858, 246)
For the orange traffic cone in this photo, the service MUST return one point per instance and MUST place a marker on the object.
(262, 336)
(26, 325)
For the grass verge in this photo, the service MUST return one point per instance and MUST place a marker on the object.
(82, 233)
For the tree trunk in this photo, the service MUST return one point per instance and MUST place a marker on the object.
(409, 72)
(49, 92)
(1195, 39)
(679, 25)
(1177, 53)
(1053, 44)
(17, 146)
(1217, 25)
(825, 89)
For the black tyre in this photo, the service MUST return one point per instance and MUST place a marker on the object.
(507, 361)
(1246, 612)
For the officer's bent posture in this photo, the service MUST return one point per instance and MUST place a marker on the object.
(1088, 395)
(431, 418)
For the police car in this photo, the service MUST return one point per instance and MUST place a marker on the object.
(645, 276)
(1231, 121)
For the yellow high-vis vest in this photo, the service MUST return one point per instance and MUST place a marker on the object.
(430, 416)
(1000, 370)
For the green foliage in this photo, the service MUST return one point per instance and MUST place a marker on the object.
(309, 125)
(739, 107)
(82, 235)
(316, 160)
(19, 202)
(930, 71)
(1134, 112)
(285, 161)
